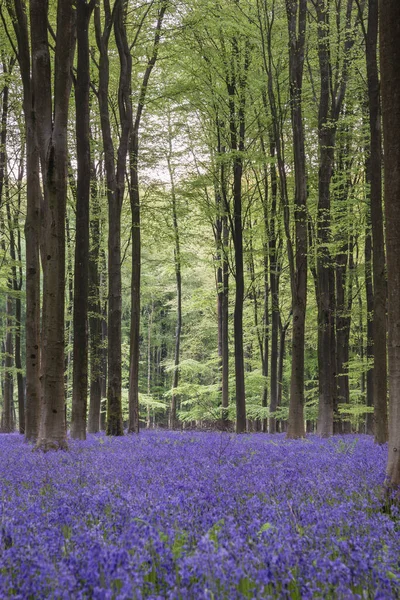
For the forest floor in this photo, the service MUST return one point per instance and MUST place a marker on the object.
(197, 516)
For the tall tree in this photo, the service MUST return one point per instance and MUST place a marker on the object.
(374, 176)
(115, 177)
(52, 121)
(178, 277)
(236, 82)
(18, 13)
(134, 197)
(81, 272)
(296, 14)
(95, 316)
(333, 85)
(389, 13)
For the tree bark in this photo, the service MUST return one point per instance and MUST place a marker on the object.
(115, 175)
(237, 103)
(136, 233)
(6, 416)
(274, 275)
(390, 81)
(95, 316)
(369, 293)
(296, 13)
(81, 270)
(52, 141)
(178, 276)
(379, 327)
(18, 14)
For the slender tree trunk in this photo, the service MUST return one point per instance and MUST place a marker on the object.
(378, 242)
(136, 234)
(7, 413)
(390, 80)
(6, 417)
(135, 285)
(221, 233)
(149, 353)
(18, 14)
(18, 282)
(281, 357)
(237, 132)
(178, 276)
(81, 271)
(274, 275)
(95, 318)
(296, 13)
(115, 175)
(325, 275)
(369, 421)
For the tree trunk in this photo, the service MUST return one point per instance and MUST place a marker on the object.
(237, 132)
(390, 78)
(178, 276)
(369, 420)
(95, 318)
(7, 421)
(18, 14)
(136, 234)
(221, 233)
(274, 274)
(296, 13)
(52, 140)
(81, 271)
(325, 275)
(115, 174)
(378, 243)
(6, 417)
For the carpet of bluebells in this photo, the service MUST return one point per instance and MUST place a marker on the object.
(197, 516)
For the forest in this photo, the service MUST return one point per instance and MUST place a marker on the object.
(199, 237)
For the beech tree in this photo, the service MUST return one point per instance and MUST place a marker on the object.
(17, 10)
(81, 270)
(390, 80)
(51, 118)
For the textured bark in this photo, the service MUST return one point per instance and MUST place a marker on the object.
(178, 276)
(115, 175)
(221, 235)
(52, 141)
(369, 297)
(325, 276)
(7, 421)
(95, 317)
(237, 131)
(274, 274)
(15, 283)
(390, 81)
(296, 13)
(379, 326)
(18, 14)
(136, 234)
(344, 268)
(81, 270)
(332, 94)
(6, 416)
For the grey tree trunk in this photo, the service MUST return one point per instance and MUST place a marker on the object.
(81, 270)
(390, 81)
(18, 13)
(134, 195)
(178, 276)
(296, 14)
(379, 327)
(95, 318)
(52, 141)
